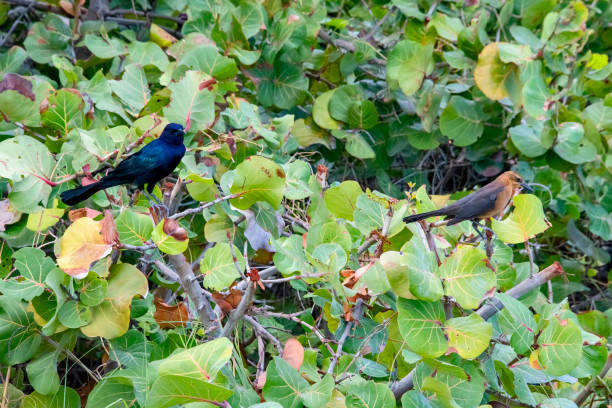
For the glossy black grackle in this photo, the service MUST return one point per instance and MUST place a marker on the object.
(146, 167)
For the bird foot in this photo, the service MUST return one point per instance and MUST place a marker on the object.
(156, 205)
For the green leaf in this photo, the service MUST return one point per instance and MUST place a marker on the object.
(317, 395)
(202, 189)
(306, 133)
(146, 53)
(371, 395)
(341, 100)
(33, 267)
(132, 89)
(47, 38)
(447, 27)
(189, 104)
(11, 60)
(320, 111)
(414, 399)
(172, 390)
(526, 221)
(104, 48)
(572, 146)
(134, 228)
(529, 143)
(465, 391)
(362, 115)
(258, 179)
(42, 221)
(42, 373)
(469, 336)
(330, 232)
(461, 121)
(289, 256)
(535, 95)
(441, 390)
(207, 59)
(111, 318)
(420, 324)
(18, 332)
(516, 321)
(467, 277)
(167, 243)
(492, 75)
(111, 392)
(407, 65)
(356, 144)
(284, 86)
(73, 314)
(218, 266)
(64, 111)
(328, 258)
(560, 346)
(297, 173)
(202, 362)
(341, 200)
(27, 163)
(283, 384)
(64, 397)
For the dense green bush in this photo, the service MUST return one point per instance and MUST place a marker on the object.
(283, 275)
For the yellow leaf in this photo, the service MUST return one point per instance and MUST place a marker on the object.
(45, 219)
(82, 245)
(491, 73)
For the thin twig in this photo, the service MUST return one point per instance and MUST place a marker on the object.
(204, 206)
(345, 333)
(291, 317)
(264, 332)
(240, 311)
(293, 277)
(379, 24)
(586, 391)
(72, 357)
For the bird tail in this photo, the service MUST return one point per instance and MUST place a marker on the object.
(76, 195)
(422, 216)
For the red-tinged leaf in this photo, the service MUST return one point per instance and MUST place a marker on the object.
(293, 353)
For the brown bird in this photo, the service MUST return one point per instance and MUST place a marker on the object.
(489, 201)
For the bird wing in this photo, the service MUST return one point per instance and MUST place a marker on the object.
(476, 204)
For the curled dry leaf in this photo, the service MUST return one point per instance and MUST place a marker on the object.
(352, 278)
(81, 245)
(228, 302)
(293, 353)
(172, 228)
(74, 215)
(170, 316)
(109, 230)
(322, 175)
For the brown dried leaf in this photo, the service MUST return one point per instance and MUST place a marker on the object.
(171, 227)
(17, 83)
(228, 302)
(170, 316)
(109, 230)
(74, 215)
(293, 353)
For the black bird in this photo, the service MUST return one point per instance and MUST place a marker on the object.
(146, 167)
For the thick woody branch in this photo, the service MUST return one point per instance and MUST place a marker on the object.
(192, 287)
(486, 311)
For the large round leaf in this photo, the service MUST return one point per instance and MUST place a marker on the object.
(420, 324)
(320, 111)
(258, 179)
(462, 121)
(283, 86)
(189, 104)
(467, 277)
(560, 346)
(572, 146)
(218, 266)
(469, 336)
(491, 73)
(524, 223)
(341, 200)
(407, 65)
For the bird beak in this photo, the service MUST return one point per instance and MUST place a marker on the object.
(526, 187)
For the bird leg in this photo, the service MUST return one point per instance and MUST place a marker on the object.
(475, 225)
(156, 204)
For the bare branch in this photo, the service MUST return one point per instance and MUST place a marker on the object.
(586, 391)
(265, 333)
(203, 206)
(345, 333)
